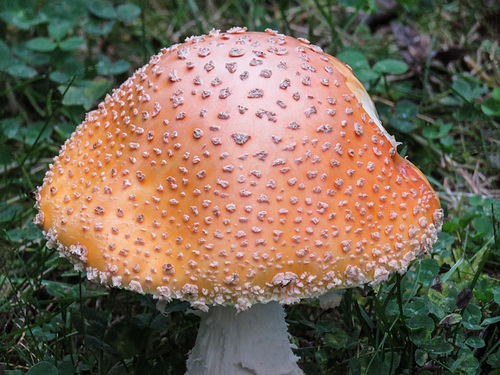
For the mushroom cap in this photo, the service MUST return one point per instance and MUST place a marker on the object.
(237, 168)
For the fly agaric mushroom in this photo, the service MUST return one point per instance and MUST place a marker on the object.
(238, 171)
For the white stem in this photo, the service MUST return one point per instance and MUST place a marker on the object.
(251, 342)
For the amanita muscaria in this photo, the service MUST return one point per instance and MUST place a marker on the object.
(237, 169)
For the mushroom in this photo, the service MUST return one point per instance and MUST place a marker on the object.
(239, 171)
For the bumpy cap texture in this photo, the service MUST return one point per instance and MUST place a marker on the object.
(237, 168)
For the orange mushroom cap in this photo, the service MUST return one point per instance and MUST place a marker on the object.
(237, 168)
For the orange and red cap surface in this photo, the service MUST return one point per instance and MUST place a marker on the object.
(237, 168)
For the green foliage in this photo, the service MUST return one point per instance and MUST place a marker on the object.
(491, 106)
(436, 85)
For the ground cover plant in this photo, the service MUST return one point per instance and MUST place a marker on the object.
(433, 69)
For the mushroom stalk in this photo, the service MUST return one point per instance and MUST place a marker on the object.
(251, 342)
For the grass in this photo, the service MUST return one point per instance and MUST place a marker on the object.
(433, 69)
